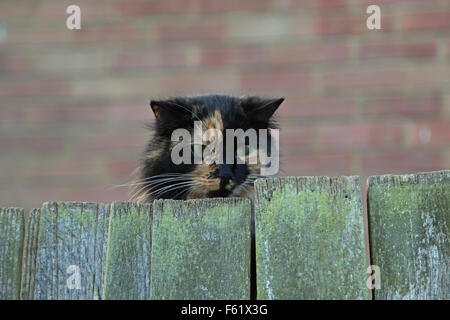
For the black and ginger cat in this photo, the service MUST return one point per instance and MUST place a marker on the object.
(160, 178)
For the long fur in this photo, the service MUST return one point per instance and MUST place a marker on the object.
(159, 178)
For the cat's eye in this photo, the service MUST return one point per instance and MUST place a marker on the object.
(247, 150)
(243, 151)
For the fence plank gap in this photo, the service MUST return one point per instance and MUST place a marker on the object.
(66, 251)
(129, 252)
(201, 249)
(12, 224)
(409, 227)
(310, 238)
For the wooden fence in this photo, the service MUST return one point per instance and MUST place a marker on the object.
(309, 244)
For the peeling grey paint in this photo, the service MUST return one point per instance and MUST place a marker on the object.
(409, 219)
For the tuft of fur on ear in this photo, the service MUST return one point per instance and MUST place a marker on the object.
(260, 108)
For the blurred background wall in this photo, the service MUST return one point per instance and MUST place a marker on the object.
(73, 103)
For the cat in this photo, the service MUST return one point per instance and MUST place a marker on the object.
(159, 177)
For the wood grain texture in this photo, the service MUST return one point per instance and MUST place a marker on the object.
(409, 221)
(30, 250)
(68, 234)
(12, 231)
(129, 252)
(201, 249)
(310, 238)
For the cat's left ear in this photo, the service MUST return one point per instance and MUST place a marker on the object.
(262, 109)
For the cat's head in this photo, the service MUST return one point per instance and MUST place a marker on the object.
(184, 160)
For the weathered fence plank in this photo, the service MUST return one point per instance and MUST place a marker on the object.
(310, 238)
(11, 246)
(70, 245)
(129, 252)
(201, 249)
(409, 221)
(30, 250)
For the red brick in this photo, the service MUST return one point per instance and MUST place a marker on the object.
(107, 34)
(59, 114)
(364, 78)
(429, 75)
(414, 105)
(296, 140)
(61, 167)
(118, 169)
(41, 35)
(117, 143)
(316, 164)
(431, 20)
(38, 87)
(194, 31)
(89, 9)
(365, 136)
(151, 57)
(388, 50)
(189, 83)
(369, 2)
(446, 163)
(328, 52)
(233, 55)
(33, 197)
(218, 6)
(247, 55)
(316, 107)
(448, 50)
(434, 133)
(140, 8)
(323, 3)
(13, 10)
(33, 145)
(13, 62)
(152, 7)
(131, 113)
(68, 132)
(275, 81)
(401, 162)
(328, 25)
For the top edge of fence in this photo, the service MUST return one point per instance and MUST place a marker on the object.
(414, 178)
(125, 203)
(16, 210)
(230, 200)
(85, 204)
(310, 179)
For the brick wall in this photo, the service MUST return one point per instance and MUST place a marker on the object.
(73, 104)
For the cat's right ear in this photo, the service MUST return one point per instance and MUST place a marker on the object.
(164, 109)
(158, 108)
(168, 110)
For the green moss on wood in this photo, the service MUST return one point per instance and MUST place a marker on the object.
(201, 249)
(409, 219)
(30, 250)
(11, 246)
(310, 238)
(129, 252)
(70, 234)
